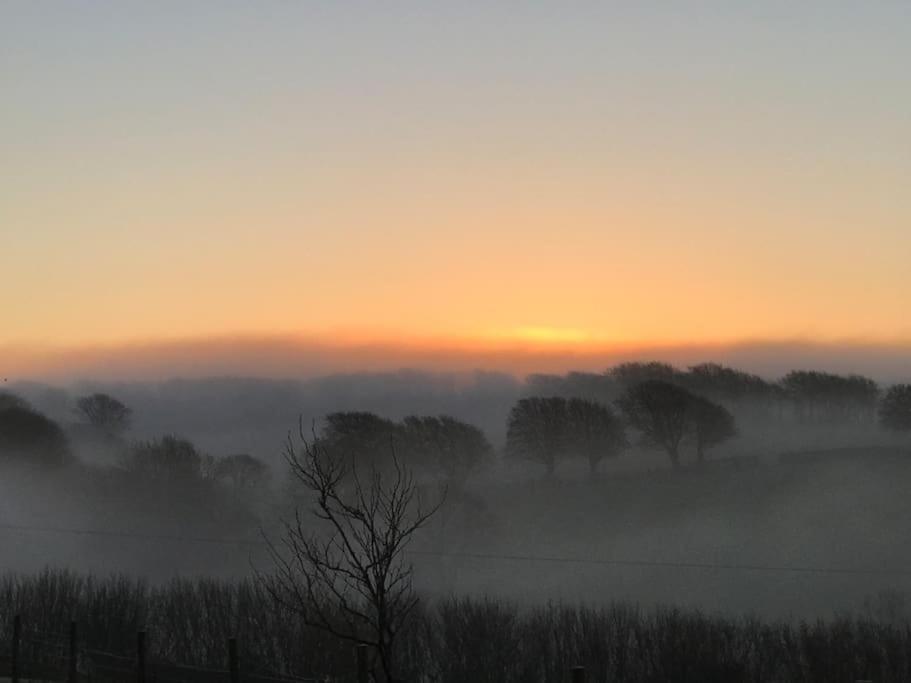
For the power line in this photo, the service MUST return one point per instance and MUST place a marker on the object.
(503, 557)
(794, 569)
(131, 535)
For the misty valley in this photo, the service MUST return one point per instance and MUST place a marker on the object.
(455, 342)
(648, 523)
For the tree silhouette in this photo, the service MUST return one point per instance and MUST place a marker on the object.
(452, 446)
(348, 575)
(242, 471)
(726, 384)
(712, 424)
(594, 431)
(895, 409)
(660, 412)
(359, 437)
(105, 413)
(29, 436)
(537, 429)
(600, 387)
(8, 400)
(170, 459)
(630, 374)
(824, 397)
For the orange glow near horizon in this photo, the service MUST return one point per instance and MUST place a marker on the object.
(423, 181)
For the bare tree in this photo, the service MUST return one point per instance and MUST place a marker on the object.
(349, 576)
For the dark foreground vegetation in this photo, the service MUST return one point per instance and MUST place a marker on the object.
(457, 640)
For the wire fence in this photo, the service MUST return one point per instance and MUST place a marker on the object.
(51, 657)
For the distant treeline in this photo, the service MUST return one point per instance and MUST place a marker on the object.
(804, 395)
(589, 415)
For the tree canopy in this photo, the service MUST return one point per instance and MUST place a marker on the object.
(659, 410)
(28, 436)
(359, 438)
(241, 471)
(712, 424)
(454, 447)
(169, 459)
(895, 409)
(594, 431)
(825, 397)
(105, 413)
(630, 374)
(723, 383)
(537, 429)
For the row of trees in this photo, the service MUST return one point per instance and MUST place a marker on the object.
(546, 429)
(440, 444)
(809, 396)
(664, 414)
(29, 437)
(28, 434)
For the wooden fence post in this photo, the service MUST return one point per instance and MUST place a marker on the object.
(578, 674)
(14, 652)
(140, 657)
(233, 666)
(71, 671)
(361, 650)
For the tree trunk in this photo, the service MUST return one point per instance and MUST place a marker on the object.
(674, 454)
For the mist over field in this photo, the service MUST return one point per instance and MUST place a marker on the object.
(455, 342)
(799, 514)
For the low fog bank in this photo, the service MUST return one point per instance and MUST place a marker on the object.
(800, 509)
(253, 415)
(280, 357)
(802, 537)
(227, 415)
(799, 536)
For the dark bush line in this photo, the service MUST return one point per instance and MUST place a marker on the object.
(460, 639)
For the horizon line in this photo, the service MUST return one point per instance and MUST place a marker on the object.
(307, 356)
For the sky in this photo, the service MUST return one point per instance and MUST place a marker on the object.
(563, 177)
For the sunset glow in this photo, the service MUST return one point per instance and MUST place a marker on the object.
(421, 178)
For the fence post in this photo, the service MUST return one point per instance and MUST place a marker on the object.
(361, 651)
(71, 672)
(578, 674)
(232, 660)
(140, 657)
(14, 652)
